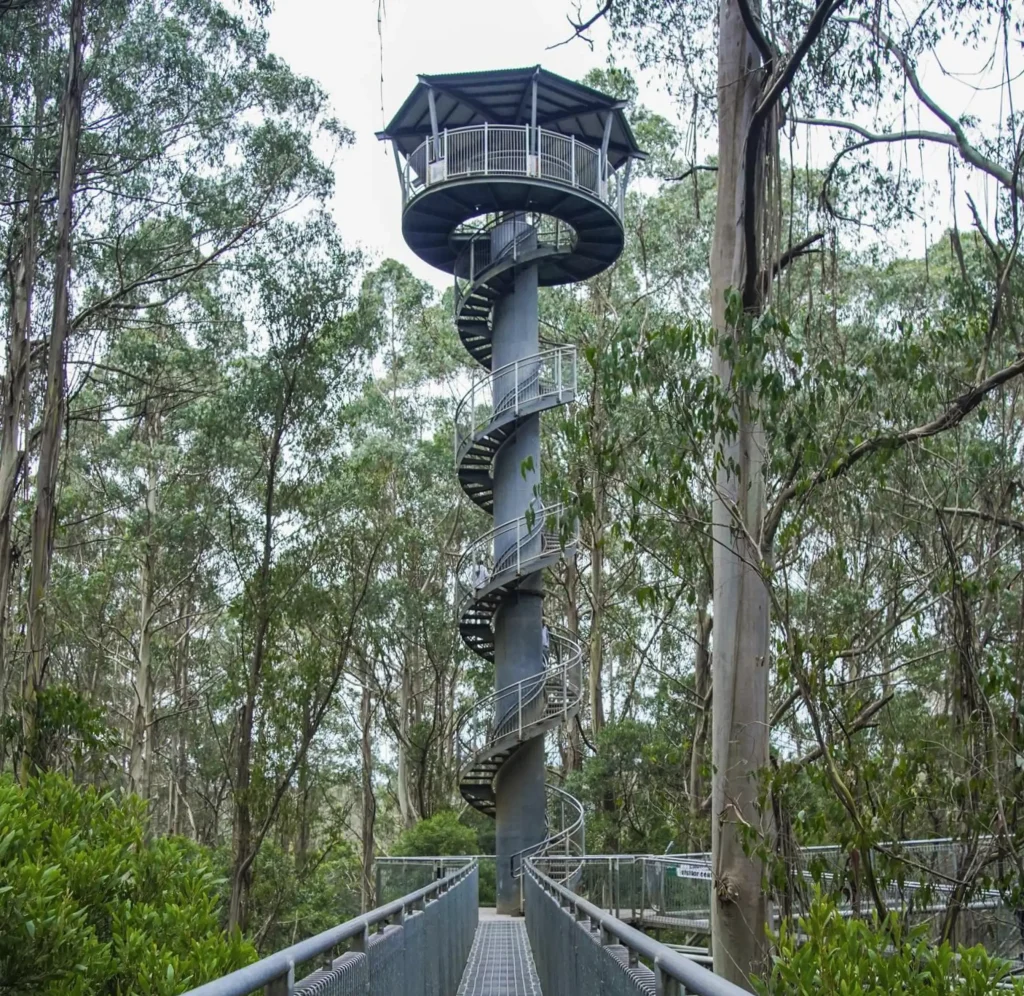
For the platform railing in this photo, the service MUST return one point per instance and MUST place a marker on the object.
(580, 948)
(514, 386)
(510, 150)
(418, 943)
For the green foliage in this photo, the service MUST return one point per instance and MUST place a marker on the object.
(830, 955)
(301, 898)
(635, 786)
(90, 905)
(442, 833)
(71, 734)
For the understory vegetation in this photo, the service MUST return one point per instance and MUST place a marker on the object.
(229, 523)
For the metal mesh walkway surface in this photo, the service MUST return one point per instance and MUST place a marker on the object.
(500, 962)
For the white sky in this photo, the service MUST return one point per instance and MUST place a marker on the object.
(336, 42)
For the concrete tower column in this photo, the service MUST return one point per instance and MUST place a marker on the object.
(519, 786)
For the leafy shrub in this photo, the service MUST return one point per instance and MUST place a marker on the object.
(88, 905)
(442, 833)
(836, 956)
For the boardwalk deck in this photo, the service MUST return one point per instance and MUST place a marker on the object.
(500, 962)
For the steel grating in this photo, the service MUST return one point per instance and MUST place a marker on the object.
(500, 962)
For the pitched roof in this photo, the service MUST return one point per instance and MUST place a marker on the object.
(503, 96)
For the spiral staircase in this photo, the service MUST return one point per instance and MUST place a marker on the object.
(513, 180)
(500, 724)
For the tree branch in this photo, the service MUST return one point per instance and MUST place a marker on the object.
(578, 27)
(862, 719)
(689, 172)
(822, 13)
(970, 154)
(755, 32)
(801, 248)
(949, 419)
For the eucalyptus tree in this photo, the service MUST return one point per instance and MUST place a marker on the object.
(751, 69)
(177, 138)
(278, 424)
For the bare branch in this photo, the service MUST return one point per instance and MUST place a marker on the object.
(579, 27)
(689, 172)
(1008, 178)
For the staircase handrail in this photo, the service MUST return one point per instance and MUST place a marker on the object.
(559, 363)
(522, 530)
(477, 256)
(566, 842)
(478, 727)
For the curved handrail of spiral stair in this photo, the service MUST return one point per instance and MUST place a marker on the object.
(524, 530)
(476, 258)
(537, 534)
(549, 373)
(512, 700)
(567, 840)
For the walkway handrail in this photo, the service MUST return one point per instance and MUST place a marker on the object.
(279, 967)
(510, 150)
(550, 373)
(671, 969)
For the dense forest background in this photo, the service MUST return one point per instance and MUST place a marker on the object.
(229, 670)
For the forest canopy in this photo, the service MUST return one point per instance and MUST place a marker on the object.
(230, 676)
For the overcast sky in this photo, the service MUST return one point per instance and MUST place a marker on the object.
(336, 42)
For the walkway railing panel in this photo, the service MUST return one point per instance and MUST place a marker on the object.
(414, 946)
(579, 948)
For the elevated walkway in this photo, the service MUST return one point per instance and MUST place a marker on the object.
(500, 961)
(437, 942)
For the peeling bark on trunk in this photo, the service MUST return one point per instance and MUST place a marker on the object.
(44, 512)
(741, 603)
(597, 612)
(702, 682)
(405, 803)
(21, 280)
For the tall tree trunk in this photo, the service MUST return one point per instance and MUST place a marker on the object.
(142, 725)
(44, 512)
(180, 762)
(741, 605)
(241, 875)
(369, 802)
(15, 386)
(702, 683)
(574, 744)
(404, 795)
(597, 612)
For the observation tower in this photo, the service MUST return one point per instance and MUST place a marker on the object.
(513, 180)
